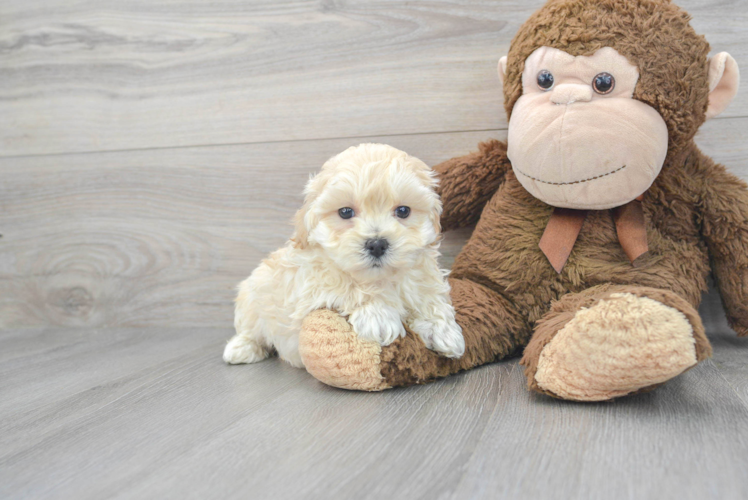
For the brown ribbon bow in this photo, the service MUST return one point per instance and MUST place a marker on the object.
(565, 223)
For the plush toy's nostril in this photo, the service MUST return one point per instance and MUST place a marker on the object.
(376, 246)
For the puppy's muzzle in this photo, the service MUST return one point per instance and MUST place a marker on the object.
(376, 247)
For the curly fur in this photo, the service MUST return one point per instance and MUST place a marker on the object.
(326, 264)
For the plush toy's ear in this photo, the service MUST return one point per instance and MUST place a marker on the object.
(724, 78)
(502, 69)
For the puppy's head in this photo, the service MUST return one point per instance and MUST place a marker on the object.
(373, 210)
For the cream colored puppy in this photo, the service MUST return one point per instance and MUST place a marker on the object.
(365, 245)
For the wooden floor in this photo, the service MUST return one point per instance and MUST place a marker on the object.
(154, 413)
(151, 153)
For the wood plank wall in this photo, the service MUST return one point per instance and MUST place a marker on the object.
(152, 152)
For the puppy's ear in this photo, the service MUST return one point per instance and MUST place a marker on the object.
(305, 220)
(436, 204)
(430, 180)
(300, 238)
(435, 218)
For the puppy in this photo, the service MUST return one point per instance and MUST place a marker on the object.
(365, 245)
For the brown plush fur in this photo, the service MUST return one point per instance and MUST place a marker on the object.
(697, 213)
(505, 292)
(489, 322)
(515, 277)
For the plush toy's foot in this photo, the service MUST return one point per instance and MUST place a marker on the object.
(333, 353)
(610, 341)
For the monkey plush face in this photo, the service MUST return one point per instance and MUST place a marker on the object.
(588, 86)
(577, 138)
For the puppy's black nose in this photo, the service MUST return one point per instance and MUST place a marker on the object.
(376, 246)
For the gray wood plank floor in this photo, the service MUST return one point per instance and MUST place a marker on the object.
(151, 153)
(153, 412)
(161, 237)
(97, 75)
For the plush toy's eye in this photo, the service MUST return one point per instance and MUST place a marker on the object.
(545, 79)
(346, 213)
(402, 212)
(603, 83)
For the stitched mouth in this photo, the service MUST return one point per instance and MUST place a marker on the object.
(570, 182)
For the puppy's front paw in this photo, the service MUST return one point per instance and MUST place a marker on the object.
(377, 323)
(444, 337)
(241, 349)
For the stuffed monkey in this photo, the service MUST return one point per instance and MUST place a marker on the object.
(598, 221)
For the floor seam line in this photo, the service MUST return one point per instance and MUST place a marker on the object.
(247, 143)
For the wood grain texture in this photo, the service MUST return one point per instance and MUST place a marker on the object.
(133, 74)
(155, 237)
(134, 413)
(733, 351)
(161, 237)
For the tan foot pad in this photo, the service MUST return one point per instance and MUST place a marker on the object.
(620, 345)
(333, 353)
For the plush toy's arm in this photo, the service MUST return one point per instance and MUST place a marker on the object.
(725, 229)
(467, 183)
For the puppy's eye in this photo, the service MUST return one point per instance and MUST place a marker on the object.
(545, 79)
(604, 83)
(402, 212)
(346, 213)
